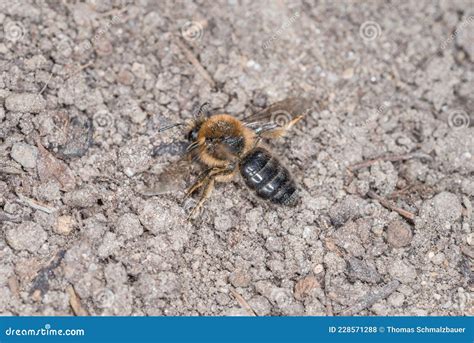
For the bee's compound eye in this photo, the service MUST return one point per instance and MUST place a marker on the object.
(192, 135)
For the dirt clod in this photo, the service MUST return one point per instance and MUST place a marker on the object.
(399, 234)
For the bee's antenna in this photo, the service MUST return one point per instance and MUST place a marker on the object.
(203, 109)
(167, 127)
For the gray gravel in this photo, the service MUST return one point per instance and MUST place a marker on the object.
(85, 87)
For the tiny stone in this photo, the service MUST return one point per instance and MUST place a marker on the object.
(274, 244)
(139, 70)
(129, 226)
(305, 286)
(81, 198)
(319, 268)
(396, 299)
(25, 102)
(402, 271)
(438, 258)
(24, 154)
(239, 279)
(48, 191)
(64, 225)
(334, 262)
(399, 234)
(222, 298)
(360, 270)
(103, 47)
(260, 305)
(470, 239)
(348, 73)
(446, 207)
(26, 236)
(125, 77)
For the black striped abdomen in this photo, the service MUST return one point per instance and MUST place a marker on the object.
(264, 174)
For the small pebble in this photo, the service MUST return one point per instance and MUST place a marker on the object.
(85, 197)
(129, 226)
(139, 70)
(239, 278)
(399, 234)
(24, 154)
(360, 270)
(25, 102)
(470, 239)
(64, 225)
(125, 77)
(26, 236)
(348, 73)
(438, 258)
(319, 268)
(402, 271)
(305, 286)
(396, 299)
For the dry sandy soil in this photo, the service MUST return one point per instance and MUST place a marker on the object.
(84, 87)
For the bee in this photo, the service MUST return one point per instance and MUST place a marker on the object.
(228, 146)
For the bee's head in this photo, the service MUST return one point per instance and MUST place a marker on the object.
(193, 129)
(199, 117)
(200, 114)
(192, 134)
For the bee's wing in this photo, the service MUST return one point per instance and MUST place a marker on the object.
(279, 114)
(169, 177)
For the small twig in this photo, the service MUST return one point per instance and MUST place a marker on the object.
(81, 68)
(35, 204)
(391, 158)
(46, 84)
(371, 298)
(243, 303)
(195, 62)
(396, 194)
(75, 302)
(114, 12)
(385, 203)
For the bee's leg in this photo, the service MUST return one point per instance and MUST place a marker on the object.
(280, 131)
(205, 194)
(220, 174)
(198, 184)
